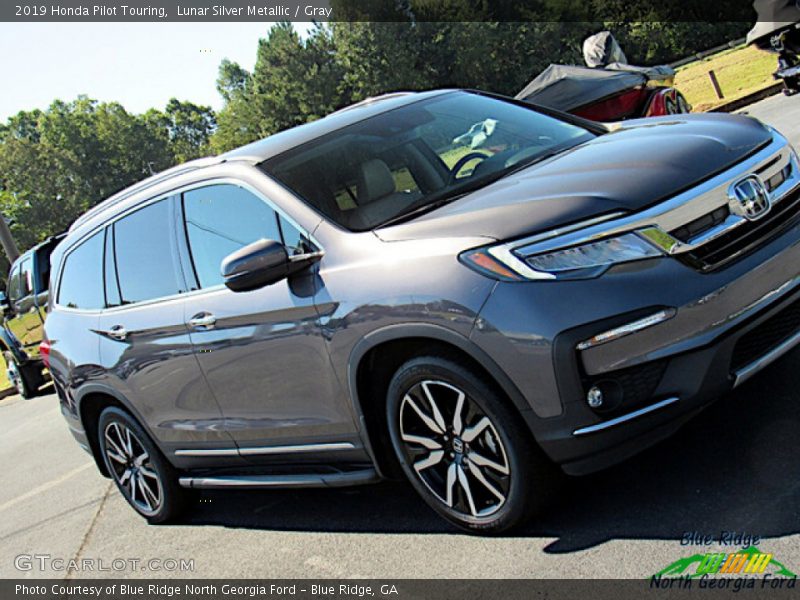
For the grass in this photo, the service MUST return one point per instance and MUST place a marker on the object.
(740, 71)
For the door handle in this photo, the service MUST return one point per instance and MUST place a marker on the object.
(203, 320)
(117, 332)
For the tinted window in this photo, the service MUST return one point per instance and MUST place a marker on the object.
(220, 219)
(146, 264)
(418, 155)
(82, 277)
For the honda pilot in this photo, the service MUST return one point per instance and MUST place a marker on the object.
(450, 286)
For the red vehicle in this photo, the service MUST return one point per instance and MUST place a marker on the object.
(608, 89)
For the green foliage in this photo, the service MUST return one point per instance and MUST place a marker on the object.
(294, 81)
(55, 164)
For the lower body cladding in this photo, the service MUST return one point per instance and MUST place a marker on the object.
(595, 404)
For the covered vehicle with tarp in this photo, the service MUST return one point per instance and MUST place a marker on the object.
(609, 89)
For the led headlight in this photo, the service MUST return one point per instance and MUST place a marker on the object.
(574, 262)
(603, 253)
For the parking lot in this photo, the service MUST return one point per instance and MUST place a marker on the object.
(736, 468)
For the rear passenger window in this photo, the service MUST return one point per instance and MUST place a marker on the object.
(147, 267)
(220, 219)
(82, 278)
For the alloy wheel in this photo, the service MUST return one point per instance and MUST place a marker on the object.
(133, 468)
(454, 448)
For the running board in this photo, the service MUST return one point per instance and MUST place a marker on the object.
(306, 480)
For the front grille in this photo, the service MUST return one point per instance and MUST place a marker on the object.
(747, 237)
(766, 336)
(701, 225)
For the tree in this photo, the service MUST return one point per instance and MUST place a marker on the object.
(294, 81)
(187, 128)
(55, 164)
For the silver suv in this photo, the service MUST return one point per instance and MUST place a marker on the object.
(451, 286)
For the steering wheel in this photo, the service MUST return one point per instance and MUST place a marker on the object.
(463, 161)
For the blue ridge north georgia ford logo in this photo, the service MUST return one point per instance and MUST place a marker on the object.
(749, 198)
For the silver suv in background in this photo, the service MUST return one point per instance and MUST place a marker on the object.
(451, 286)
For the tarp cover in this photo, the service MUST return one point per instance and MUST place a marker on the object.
(566, 87)
(602, 49)
(773, 15)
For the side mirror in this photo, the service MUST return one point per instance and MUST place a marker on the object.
(262, 263)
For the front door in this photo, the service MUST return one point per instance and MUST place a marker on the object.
(262, 351)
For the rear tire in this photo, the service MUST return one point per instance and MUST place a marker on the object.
(143, 476)
(22, 377)
(463, 448)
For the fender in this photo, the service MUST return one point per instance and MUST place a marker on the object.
(101, 388)
(437, 332)
(665, 101)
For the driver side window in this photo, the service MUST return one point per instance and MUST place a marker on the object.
(222, 218)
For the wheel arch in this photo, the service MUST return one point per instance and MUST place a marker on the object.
(90, 401)
(393, 345)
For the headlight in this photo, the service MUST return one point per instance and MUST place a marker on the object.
(575, 262)
(624, 248)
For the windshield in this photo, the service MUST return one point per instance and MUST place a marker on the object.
(417, 157)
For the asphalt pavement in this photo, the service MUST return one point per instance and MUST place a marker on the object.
(735, 468)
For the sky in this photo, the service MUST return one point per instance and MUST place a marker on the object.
(140, 65)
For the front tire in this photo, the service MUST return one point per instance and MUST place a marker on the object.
(142, 474)
(463, 448)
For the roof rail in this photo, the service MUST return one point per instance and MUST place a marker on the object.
(143, 185)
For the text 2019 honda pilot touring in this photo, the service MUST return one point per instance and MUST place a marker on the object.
(449, 285)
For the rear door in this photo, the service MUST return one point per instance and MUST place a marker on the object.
(145, 347)
(262, 351)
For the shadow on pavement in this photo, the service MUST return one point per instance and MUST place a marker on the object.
(736, 467)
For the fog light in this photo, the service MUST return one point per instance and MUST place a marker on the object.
(594, 397)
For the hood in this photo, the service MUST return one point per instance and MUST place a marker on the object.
(639, 164)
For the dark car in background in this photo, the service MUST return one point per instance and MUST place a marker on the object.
(451, 286)
(24, 307)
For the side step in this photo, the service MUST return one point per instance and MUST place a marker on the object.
(306, 480)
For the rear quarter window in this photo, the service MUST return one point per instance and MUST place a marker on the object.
(81, 283)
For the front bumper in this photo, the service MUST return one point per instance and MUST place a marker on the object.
(728, 325)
